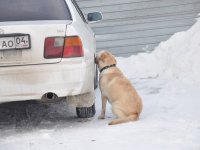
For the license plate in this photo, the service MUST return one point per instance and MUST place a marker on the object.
(10, 42)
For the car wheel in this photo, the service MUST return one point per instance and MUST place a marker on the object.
(85, 112)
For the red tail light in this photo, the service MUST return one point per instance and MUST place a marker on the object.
(60, 47)
(73, 47)
(53, 47)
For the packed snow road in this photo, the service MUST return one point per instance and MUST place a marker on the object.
(170, 120)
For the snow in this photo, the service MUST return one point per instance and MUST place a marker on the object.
(177, 58)
(168, 80)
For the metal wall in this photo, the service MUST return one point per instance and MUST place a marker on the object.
(132, 26)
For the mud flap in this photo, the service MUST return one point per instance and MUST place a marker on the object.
(82, 100)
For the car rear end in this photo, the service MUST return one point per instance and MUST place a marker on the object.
(45, 48)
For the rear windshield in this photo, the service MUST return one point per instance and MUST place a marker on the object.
(30, 10)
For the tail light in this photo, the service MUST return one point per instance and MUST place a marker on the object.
(60, 47)
(73, 47)
(53, 47)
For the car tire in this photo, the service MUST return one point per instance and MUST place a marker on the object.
(96, 77)
(86, 112)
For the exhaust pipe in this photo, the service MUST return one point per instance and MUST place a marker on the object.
(49, 96)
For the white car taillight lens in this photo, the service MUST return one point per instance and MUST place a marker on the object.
(60, 47)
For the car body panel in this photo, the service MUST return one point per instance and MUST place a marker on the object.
(33, 76)
(70, 77)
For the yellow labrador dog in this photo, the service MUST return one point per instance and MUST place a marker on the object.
(118, 90)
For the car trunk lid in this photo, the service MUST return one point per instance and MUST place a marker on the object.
(22, 43)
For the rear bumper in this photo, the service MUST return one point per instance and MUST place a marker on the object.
(32, 82)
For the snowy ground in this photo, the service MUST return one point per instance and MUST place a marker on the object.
(168, 81)
(170, 120)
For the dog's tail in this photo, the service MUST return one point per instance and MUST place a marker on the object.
(133, 117)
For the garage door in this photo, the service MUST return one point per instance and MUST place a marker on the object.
(132, 26)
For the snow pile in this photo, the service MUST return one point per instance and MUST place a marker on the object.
(178, 57)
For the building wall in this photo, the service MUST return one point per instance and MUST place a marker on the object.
(132, 26)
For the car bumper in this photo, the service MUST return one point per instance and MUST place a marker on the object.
(33, 81)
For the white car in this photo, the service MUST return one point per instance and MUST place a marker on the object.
(47, 52)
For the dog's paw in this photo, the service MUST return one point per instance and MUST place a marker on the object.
(111, 123)
(101, 117)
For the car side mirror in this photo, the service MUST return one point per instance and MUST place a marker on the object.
(94, 17)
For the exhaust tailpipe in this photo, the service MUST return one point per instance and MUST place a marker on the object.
(49, 96)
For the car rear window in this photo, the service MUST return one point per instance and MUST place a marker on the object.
(30, 10)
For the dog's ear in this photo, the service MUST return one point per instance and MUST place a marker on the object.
(115, 61)
(102, 57)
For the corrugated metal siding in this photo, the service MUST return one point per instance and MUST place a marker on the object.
(132, 26)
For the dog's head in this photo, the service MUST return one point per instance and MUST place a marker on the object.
(104, 58)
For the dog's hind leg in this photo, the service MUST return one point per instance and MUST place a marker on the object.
(133, 117)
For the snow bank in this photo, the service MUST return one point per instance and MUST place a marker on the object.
(178, 57)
